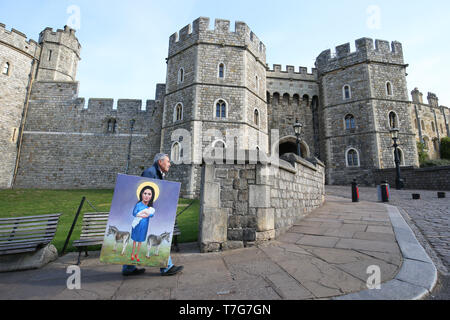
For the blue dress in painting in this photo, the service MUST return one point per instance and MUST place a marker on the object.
(139, 233)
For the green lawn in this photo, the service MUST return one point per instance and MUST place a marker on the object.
(16, 203)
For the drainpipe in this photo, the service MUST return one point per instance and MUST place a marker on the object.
(24, 118)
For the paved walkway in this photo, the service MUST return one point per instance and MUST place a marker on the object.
(325, 256)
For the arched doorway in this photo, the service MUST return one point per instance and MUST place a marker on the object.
(289, 145)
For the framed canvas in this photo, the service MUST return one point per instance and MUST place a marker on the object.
(141, 221)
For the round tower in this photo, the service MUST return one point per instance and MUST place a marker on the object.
(60, 54)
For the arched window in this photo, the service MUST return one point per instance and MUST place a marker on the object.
(400, 156)
(221, 109)
(352, 158)
(388, 89)
(393, 120)
(306, 99)
(256, 117)
(221, 73)
(178, 112)
(257, 83)
(422, 124)
(416, 124)
(350, 122)
(219, 144)
(436, 144)
(6, 68)
(296, 99)
(276, 98)
(181, 75)
(433, 127)
(175, 154)
(346, 92)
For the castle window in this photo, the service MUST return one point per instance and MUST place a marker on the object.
(178, 112)
(422, 124)
(221, 109)
(400, 156)
(50, 52)
(221, 71)
(393, 120)
(416, 124)
(176, 152)
(257, 83)
(388, 89)
(350, 122)
(256, 117)
(346, 92)
(352, 158)
(181, 75)
(433, 127)
(6, 68)
(112, 126)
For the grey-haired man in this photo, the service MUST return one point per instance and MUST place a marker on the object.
(160, 168)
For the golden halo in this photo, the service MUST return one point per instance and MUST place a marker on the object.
(148, 184)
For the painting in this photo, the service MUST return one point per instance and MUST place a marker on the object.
(141, 221)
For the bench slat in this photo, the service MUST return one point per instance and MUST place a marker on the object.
(5, 239)
(20, 250)
(22, 242)
(90, 235)
(26, 231)
(31, 217)
(24, 225)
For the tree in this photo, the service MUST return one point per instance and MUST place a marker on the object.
(445, 148)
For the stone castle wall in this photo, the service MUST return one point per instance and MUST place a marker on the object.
(66, 145)
(251, 202)
(433, 178)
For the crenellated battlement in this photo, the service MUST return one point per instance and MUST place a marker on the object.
(66, 37)
(366, 50)
(199, 32)
(19, 41)
(290, 71)
(107, 105)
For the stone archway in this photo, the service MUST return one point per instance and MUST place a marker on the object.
(288, 144)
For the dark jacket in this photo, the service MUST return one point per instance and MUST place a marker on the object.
(153, 172)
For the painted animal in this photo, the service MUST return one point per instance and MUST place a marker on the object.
(120, 236)
(153, 240)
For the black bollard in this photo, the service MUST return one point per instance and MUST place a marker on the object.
(355, 191)
(384, 191)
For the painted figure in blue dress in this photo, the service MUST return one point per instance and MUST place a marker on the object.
(143, 212)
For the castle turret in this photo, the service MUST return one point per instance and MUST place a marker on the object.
(364, 96)
(60, 55)
(433, 100)
(417, 96)
(216, 81)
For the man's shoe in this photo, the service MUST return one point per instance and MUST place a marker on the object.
(172, 271)
(135, 272)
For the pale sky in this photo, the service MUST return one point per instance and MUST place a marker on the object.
(125, 43)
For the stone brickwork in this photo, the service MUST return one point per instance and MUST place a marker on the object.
(252, 202)
(433, 178)
(66, 145)
(54, 142)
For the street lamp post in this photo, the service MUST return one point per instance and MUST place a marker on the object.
(298, 131)
(398, 180)
(132, 122)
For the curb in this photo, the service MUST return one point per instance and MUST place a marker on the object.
(417, 276)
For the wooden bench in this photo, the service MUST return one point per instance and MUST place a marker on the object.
(27, 234)
(92, 232)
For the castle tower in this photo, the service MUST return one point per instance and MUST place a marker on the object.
(59, 56)
(364, 95)
(18, 61)
(216, 86)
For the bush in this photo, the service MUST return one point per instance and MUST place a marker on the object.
(423, 155)
(445, 148)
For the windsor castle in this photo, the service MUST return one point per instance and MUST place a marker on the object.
(217, 82)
